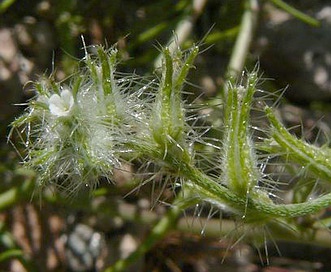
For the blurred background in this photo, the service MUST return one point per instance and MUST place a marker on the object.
(48, 232)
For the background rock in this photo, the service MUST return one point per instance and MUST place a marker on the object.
(298, 55)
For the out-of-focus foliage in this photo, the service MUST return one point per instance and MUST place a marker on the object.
(49, 38)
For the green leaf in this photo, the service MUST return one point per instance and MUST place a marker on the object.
(10, 253)
(296, 13)
(6, 5)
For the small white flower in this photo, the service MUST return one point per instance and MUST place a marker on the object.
(61, 105)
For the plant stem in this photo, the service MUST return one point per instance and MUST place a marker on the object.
(245, 36)
(16, 194)
(4, 5)
(215, 228)
(296, 13)
(314, 158)
(252, 206)
(158, 232)
(184, 28)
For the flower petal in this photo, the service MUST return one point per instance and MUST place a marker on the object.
(61, 105)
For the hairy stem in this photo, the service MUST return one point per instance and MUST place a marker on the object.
(314, 158)
(252, 206)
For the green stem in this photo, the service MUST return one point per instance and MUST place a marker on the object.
(159, 231)
(183, 29)
(241, 47)
(296, 13)
(252, 206)
(279, 231)
(5, 5)
(316, 159)
(16, 194)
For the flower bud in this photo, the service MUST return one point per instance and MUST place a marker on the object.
(168, 127)
(239, 163)
(77, 133)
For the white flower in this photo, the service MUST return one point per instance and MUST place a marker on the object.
(61, 105)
